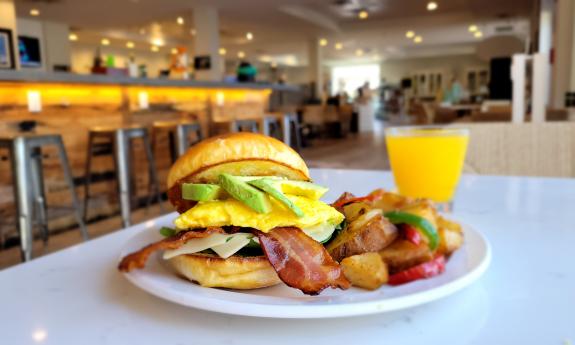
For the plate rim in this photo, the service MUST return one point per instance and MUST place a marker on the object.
(294, 311)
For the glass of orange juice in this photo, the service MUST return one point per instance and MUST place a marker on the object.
(427, 161)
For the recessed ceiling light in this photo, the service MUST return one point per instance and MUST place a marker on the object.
(410, 34)
(359, 52)
(249, 36)
(180, 20)
(432, 6)
(363, 14)
(130, 45)
(473, 28)
(105, 42)
(158, 42)
(35, 12)
(339, 46)
(155, 49)
(222, 51)
(241, 55)
(323, 42)
(174, 50)
(73, 37)
(418, 39)
(478, 34)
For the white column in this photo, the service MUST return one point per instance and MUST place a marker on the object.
(207, 41)
(539, 87)
(8, 21)
(563, 47)
(518, 78)
(315, 72)
(546, 26)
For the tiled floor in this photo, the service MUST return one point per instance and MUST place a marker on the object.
(358, 151)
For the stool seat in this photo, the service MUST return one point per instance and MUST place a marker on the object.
(117, 141)
(26, 160)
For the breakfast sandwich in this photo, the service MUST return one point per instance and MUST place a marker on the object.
(250, 217)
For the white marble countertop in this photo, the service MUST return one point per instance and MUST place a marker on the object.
(527, 296)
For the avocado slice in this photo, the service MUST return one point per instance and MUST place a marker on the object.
(301, 188)
(268, 186)
(201, 192)
(243, 192)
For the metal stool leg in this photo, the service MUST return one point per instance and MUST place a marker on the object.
(287, 130)
(267, 126)
(70, 181)
(121, 143)
(88, 176)
(152, 171)
(37, 182)
(182, 139)
(22, 191)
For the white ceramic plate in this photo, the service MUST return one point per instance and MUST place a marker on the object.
(463, 268)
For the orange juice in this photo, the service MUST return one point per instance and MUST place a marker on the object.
(427, 162)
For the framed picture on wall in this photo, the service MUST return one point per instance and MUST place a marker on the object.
(6, 49)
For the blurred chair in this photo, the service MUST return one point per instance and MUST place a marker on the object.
(28, 181)
(554, 114)
(498, 115)
(118, 143)
(444, 115)
(345, 117)
(313, 119)
(418, 113)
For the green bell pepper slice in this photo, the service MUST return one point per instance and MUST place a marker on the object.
(420, 223)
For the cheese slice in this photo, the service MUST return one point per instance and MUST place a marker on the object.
(197, 245)
(233, 245)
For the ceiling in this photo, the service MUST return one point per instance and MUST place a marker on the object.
(283, 29)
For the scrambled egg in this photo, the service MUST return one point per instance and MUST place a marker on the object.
(234, 212)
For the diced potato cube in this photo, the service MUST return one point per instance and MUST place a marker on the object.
(366, 270)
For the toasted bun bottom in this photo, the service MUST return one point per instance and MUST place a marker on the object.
(235, 272)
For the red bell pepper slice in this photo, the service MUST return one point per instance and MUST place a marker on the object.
(411, 234)
(421, 271)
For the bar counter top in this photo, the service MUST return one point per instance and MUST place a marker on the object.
(71, 78)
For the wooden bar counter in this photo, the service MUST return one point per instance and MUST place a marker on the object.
(71, 104)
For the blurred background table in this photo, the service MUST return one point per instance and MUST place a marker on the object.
(526, 296)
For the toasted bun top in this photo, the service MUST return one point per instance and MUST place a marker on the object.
(247, 154)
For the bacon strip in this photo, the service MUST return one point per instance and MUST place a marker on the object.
(300, 261)
(137, 260)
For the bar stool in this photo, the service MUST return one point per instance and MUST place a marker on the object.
(26, 160)
(244, 126)
(272, 127)
(178, 135)
(292, 130)
(117, 141)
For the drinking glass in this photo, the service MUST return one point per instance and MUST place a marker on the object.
(427, 161)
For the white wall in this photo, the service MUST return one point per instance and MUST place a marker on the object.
(57, 44)
(83, 58)
(393, 71)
